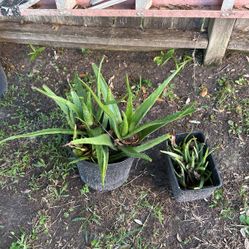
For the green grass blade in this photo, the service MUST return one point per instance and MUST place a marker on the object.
(53, 131)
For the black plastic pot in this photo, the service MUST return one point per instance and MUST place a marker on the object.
(182, 195)
(116, 175)
(3, 81)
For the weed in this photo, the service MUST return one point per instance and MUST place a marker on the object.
(218, 200)
(164, 57)
(58, 192)
(91, 217)
(226, 90)
(21, 242)
(85, 51)
(40, 226)
(158, 213)
(35, 52)
(169, 92)
(67, 213)
(234, 128)
(33, 183)
(227, 213)
(146, 82)
(84, 190)
(142, 85)
(241, 81)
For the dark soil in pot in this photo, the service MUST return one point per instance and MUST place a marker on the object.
(183, 195)
(116, 175)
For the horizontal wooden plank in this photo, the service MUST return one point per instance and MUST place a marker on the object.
(87, 21)
(124, 22)
(100, 37)
(193, 13)
(183, 2)
(242, 25)
(239, 41)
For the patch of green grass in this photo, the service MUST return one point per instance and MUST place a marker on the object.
(40, 226)
(241, 81)
(218, 198)
(219, 201)
(227, 98)
(25, 240)
(12, 169)
(244, 213)
(234, 128)
(226, 90)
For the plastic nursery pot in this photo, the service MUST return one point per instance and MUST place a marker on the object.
(3, 82)
(116, 175)
(184, 195)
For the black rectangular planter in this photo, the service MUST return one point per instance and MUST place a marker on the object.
(182, 195)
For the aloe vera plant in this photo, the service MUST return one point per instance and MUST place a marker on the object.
(190, 160)
(100, 130)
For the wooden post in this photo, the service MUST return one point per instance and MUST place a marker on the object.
(65, 4)
(143, 4)
(219, 32)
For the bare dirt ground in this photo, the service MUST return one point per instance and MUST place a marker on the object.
(44, 204)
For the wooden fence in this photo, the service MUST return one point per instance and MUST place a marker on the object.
(212, 30)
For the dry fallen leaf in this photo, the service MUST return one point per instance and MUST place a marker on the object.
(246, 244)
(194, 121)
(178, 238)
(203, 91)
(243, 232)
(82, 75)
(110, 82)
(139, 222)
(187, 101)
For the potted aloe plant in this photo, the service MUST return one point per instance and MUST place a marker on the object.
(104, 138)
(191, 169)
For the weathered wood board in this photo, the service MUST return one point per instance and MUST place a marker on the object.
(100, 37)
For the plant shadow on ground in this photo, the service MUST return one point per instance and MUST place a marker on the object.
(43, 203)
